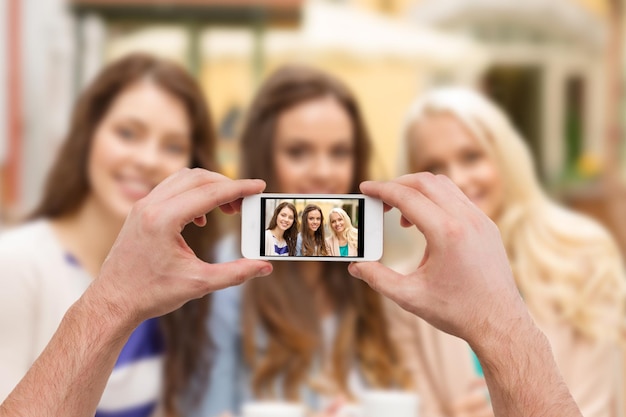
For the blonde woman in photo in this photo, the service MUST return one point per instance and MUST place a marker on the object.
(344, 239)
(567, 267)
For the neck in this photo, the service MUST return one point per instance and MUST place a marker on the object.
(88, 234)
(278, 232)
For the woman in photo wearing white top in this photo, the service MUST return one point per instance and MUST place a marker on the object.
(282, 232)
(344, 239)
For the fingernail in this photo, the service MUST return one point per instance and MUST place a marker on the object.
(265, 271)
(353, 269)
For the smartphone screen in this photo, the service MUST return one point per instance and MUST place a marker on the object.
(312, 227)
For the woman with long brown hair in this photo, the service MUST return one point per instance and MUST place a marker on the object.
(311, 240)
(282, 233)
(139, 121)
(309, 332)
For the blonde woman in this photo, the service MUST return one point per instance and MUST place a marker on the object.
(344, 239)
(567, 268)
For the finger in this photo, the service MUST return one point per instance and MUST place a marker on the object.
(200, 221)
(424, 258)
(228, 274)
(232, 207)
(439, 189)
(381, 279)
(199, 201)
(404, 222)
(184, 180)
(414, 206)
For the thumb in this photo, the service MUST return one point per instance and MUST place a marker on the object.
(383, 280)
(228, 274)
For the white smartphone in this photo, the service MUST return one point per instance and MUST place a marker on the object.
(312, 227)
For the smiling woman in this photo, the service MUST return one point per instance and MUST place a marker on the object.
(141, 120)
(141, 140)
(281, 234)
(308, 333)
(567, 268)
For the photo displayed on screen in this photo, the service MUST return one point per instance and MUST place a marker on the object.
(312, 227)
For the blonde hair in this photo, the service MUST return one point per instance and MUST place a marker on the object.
(567, 267)
(350, 233)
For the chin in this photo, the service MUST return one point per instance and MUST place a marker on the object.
(121, 210)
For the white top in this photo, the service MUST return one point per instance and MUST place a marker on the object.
(272, 247)
(39, 281)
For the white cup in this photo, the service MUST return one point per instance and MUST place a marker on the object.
(273, 409)
(381, 403)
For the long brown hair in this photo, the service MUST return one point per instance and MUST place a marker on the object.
(313, 243)
(281, 305)
(186, 338)
(291, 234)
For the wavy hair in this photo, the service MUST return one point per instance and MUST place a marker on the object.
(281, 306)
(567, 267)
(313, 244)
(290, 235)
(350, 233)
(67, 186)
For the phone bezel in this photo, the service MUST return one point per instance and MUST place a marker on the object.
(251, 226)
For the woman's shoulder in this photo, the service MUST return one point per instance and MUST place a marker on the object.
(29, 255)
(579, 231)
(25, 240)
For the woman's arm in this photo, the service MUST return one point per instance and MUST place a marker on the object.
(299, 245)
(224, 326)
(269, 243)
(18, 307)
(331, 244)
(590, 369)
(403, 332)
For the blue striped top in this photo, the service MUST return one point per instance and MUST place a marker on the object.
(134, 387)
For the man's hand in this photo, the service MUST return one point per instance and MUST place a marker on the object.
(464, 281)
(464, 286)
(151, 270)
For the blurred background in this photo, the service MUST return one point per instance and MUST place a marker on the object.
(555, 66)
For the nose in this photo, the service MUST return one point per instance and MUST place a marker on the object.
(321, 171)
(459, 175)
(147, 156)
